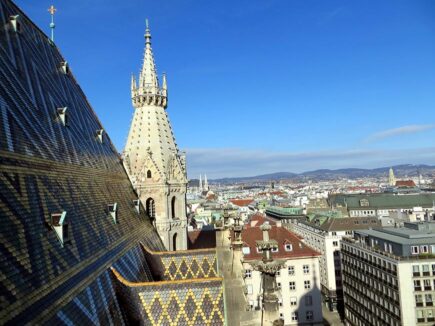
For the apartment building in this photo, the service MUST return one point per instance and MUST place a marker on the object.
(389, 276)
(324, 234)
(298, 281)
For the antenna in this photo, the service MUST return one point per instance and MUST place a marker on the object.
(52, 11)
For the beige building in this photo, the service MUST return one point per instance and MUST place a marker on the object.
(154, 164)
(298, 281)
(324, 234)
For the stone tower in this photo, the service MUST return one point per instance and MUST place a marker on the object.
(156, 167)
(391, 178)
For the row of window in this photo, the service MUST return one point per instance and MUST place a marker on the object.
(292, 285)
(290, 269)
(425, 269)
(287, 247)
(424, 285)
(309, 315)
(428, 300)
(424, 249)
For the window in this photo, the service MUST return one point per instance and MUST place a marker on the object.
(275, 249)
(308, 300)
(249, 288)
(306, 269)
(280, 303)
(427, 285)
(292, 285)
(291, 270)
(246, 250)
(278, 272)
(420, 316)
(309, 315)
(278, 285)
(416, 270)
(424, 249)
(307, 284)
(417, 285)
(433, 269)
(419, 300)
(149, 175)
(335, 243)
(288, 247)
(248, 273)
(428, 299)
(294, 316)
(414, 250)
(426, 271)
(293, 301)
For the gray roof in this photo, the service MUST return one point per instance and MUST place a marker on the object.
(383, 200)
(409, 234)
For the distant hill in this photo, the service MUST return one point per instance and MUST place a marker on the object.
(405, 170)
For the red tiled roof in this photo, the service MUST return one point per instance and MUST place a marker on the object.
(282, 236)
(405, 183)
(258, 219)
(241, 202)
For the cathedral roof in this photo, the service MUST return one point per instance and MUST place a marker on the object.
(66, 204)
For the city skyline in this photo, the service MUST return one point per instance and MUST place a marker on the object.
(297, 86)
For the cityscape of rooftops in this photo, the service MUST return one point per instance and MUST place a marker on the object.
(217, 163)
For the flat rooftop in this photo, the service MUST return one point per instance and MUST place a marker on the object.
(410, 233)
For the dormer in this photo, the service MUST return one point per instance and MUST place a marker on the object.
(100, 134)
(136, 204)
(15, 23)
(58, 224)
(64, 67)
(113, 210)
(62, 114)
(288, 246)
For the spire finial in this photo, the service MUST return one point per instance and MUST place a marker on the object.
(147, 34)
(52, 10)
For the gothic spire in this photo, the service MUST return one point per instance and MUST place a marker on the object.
(148, 76)
(148, 90)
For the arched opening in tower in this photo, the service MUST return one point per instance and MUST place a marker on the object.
(151, 208)
(173, 203)
(149, 175)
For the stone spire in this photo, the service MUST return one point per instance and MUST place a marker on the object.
(205, 183)
(200, 183)
(156, 167)
(148, 91)
(391, 178)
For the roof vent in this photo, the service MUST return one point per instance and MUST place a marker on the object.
(113, 209)
(64, 67)
(59, 225)
(137, 205)
(62, 113)
(15, 23)
(100, 133)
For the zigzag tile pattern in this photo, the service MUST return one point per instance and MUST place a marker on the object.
(47, 167)
(188, 265)
(173, 303)
(199, 304)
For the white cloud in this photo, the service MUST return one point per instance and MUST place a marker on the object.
(410, 129)
(232, 162)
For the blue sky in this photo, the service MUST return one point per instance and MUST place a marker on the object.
(264, 86)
